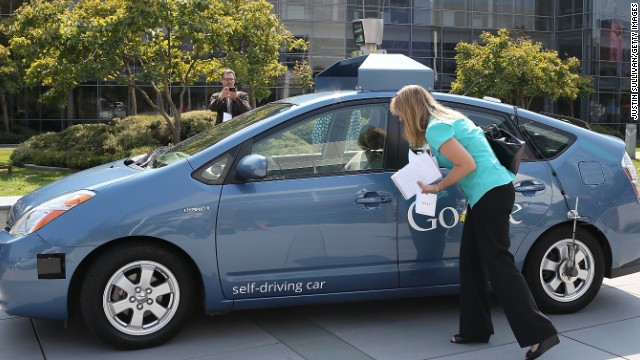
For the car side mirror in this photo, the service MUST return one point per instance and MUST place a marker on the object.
(252, 167)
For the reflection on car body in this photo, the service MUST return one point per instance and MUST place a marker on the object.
(264, 211)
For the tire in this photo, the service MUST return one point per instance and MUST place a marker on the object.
(137, 296)
(546, 271)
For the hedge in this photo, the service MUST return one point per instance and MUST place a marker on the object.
(86, 145)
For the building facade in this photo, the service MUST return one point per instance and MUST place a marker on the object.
(595, 31)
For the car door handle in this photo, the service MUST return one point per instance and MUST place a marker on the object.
(529, 186)
(374, 200)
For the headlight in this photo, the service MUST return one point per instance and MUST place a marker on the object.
(44, 213)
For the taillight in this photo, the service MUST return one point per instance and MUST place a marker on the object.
(628, 167)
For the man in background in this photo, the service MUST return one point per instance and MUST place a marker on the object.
(229, 102)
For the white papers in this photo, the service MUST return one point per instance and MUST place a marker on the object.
(420, 168)
(426, 204)
(226, 116)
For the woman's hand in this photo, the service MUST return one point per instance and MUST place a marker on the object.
(429, 188)
(463, 164)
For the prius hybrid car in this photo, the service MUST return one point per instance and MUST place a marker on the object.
(293, 203)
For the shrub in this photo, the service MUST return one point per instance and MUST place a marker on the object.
(86, 145)
(607, 130)
(195, 122)
(17, 135)
(141, 130)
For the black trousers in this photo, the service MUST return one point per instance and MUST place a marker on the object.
(485, 256)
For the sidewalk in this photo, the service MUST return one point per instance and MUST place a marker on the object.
(5, 204)
(411, 329)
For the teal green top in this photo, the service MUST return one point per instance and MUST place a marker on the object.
(489, 173)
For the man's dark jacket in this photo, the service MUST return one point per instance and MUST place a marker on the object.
(238, 106)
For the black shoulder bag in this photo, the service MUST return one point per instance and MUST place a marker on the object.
(507, 147)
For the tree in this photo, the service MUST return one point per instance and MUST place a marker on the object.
(9, 78)
(254, 38)
(516, 70)
(164, 44)
(303, 75)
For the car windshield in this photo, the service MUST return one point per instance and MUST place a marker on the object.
(199, 142)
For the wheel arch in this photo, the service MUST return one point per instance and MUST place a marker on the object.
(593, 230)
(77, 277)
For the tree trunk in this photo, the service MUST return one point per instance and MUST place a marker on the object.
(571, 107)
(133, 104)
(252, 98)
(176, 128)
(5, 113)
(159, 107)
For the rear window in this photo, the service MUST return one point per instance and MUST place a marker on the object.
(550, 141)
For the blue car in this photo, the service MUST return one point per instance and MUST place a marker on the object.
(293, 203)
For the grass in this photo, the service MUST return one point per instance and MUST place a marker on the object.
(22, 181)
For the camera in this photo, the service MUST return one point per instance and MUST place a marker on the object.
(232, 89)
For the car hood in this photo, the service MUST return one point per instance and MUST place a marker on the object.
(90, 179)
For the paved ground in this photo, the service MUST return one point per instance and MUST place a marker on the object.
(5, 204)
(609, 328)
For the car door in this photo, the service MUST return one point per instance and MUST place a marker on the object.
(428, 247)
(324, 218)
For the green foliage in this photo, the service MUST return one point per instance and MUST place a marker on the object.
(23, 181)
(139, 130)
(303, 75)
(297, 141)
(195, 122)
(17, 135)
(165, 44)
(607, 130)
(516, 70)
(253, 37)
(86, 145)
(10, 75)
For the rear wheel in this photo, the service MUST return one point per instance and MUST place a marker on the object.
(556, 286)
(137, 296)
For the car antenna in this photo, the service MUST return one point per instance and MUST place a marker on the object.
(471, 87)
(572, 270)
(539, 153)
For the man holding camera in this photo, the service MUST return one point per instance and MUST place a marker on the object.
(229, 102)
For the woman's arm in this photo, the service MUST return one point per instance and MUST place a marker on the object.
(463, 164)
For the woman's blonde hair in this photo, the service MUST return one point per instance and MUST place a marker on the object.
(414, 105)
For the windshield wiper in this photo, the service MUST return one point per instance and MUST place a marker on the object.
(147, 160)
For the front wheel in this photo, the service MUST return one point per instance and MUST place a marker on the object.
(137, 296)
(556, 285)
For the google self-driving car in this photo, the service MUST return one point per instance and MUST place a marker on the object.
(293, 203)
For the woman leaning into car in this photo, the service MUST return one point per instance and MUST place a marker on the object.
(459, 145)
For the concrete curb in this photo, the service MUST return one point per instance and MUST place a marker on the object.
(5, 204)
(7, 201)
(48, 168)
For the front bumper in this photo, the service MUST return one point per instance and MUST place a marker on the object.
(22, 291)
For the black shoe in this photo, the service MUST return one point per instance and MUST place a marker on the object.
(543, 346)
(459, 339)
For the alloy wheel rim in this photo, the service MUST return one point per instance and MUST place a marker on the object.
(556, 279)
(141, 298)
